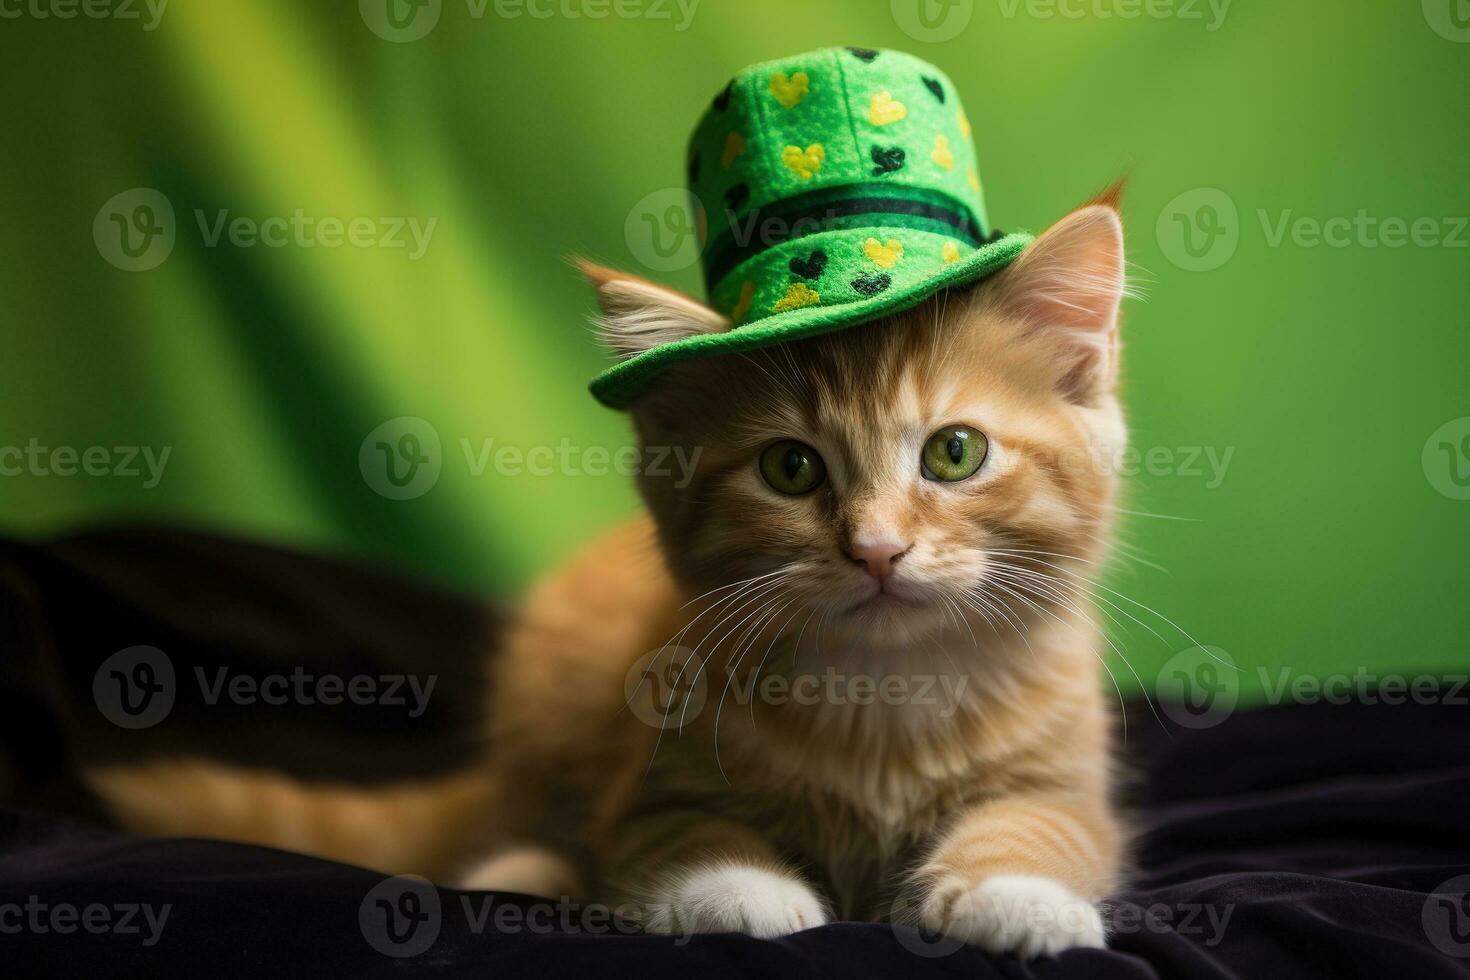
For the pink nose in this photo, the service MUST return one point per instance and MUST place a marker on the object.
(878, 555)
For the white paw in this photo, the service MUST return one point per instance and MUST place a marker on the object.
(1023, 914)
(735, 898)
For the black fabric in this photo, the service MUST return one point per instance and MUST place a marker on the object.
(212, 603)
(1306, 840)
(1320, 830)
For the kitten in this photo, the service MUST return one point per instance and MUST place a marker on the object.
(912, 502)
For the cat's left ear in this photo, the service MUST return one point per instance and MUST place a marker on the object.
(638, 315)
(1069, 283)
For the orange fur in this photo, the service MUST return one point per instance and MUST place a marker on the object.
(863, 809)
(414, 827)
(874, 804)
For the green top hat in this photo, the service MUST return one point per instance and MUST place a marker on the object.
(838, 187)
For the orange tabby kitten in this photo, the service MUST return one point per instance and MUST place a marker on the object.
(901, 713)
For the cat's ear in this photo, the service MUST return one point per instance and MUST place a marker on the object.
(1069, 283)
(637, 315)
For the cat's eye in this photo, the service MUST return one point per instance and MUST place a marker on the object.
(792, 467)
(953, 453)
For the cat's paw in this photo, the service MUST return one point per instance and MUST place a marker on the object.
(1023, 914)
(735, 898)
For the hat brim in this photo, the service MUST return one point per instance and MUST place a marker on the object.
(620, 385)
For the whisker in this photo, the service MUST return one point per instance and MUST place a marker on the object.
(960, 616)
(731, 672)
(1161, 517)
(679, 634)
(1037, 580)
(720, 588)
(1095, 584)
(770, 646)
(971, 597)
(764, 590)
(1122, 708)
(758, 589)
(1084, 590)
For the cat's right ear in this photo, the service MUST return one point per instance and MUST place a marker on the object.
(637, 315)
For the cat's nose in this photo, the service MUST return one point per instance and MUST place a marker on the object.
(878, 555)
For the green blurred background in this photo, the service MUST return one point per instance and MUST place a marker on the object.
(1333, 541)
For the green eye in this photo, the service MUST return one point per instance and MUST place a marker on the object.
(792, 467)
(953, 453)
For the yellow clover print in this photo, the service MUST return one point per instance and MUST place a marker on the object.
(799, 295)
(743, 304)
(804, 163)
(884, 255)
(885, 109)
(951, 253)
(734, 146)
(942, 154)
(790, 91)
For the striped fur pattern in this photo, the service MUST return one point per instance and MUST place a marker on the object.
(986, 813)
(978, 805)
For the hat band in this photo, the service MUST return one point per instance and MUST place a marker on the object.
(835, 209)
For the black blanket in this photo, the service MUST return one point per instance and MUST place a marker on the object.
(1310, 840)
